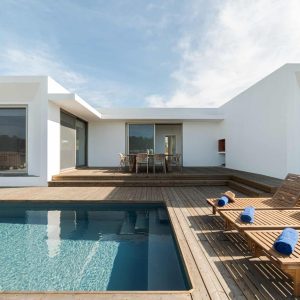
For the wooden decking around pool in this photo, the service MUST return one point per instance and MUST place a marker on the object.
(219, 264)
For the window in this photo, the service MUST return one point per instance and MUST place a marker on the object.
(13, 140)
(141, 138)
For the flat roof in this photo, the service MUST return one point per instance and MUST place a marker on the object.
(75, 105)
(168, 114)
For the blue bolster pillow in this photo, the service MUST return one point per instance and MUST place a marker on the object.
(287, 241)
(223, 201)
(247, 215)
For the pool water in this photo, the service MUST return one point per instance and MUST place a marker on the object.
(88, 247)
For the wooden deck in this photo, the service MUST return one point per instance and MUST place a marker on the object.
(186, 171)
(219, 263)
(254, 185)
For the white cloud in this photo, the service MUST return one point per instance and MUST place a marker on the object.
(41, 61)
(14, 61)
(244, 42)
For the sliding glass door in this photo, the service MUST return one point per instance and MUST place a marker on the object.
(67, 141)
(141, 138)
(72, 141)
(13, 140)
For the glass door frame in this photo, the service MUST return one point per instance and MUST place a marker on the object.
(155, 123)
(86, 137)
(24, 106)
(169, 137)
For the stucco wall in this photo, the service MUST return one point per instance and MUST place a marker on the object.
(293, 124)
(106, 140)
(261, 126)
(30, 92)
(53, 140)
(200, 143)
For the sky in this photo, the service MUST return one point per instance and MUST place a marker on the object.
(144, 53)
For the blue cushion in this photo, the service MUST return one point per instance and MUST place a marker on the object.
(287, 241)
(247, 215)
(223, 201)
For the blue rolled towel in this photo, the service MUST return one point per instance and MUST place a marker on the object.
(287, 241)
(223, 201)
(247, 215)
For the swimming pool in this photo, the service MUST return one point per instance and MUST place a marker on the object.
(88, 247)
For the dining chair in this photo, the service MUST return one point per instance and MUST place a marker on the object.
(159, 160)
(175, 161)
(141, 159)
(124, 161)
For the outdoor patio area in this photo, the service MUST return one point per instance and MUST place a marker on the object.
(219, 263)
(186, 171)
(249, 183)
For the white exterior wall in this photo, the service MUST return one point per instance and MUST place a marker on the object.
(53, 157)
(30, 92)
(261, 126)
(106, 139)
(200, 143)
(293, 123)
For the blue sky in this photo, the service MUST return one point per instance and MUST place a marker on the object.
(169, 53)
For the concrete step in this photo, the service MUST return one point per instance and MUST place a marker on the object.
(162, 215)
(141, 223)
(135, 183)
(128, 225)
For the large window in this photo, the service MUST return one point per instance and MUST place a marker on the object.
(13, 140)
(141, 138)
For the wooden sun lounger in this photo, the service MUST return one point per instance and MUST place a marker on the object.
(262, 241)
(263, 219)
(286, 196)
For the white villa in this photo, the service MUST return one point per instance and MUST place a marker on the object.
(45, 129)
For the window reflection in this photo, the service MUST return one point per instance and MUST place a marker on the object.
(12, 139)
(53, 233)
(141, 138)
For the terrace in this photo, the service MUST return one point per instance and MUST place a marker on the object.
(250, 183)
(68, 149)
(219, 263)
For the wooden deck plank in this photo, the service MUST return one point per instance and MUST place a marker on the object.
(256, 184)
(228, 257)
(213, 286)
(264, 219)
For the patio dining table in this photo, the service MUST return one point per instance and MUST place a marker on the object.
(132, 160)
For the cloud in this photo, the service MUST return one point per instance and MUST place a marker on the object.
(41, 61)
(243, 42)
(14, 61)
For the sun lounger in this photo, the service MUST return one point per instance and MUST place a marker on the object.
(261, 242)
(263, 219)
(286, 196)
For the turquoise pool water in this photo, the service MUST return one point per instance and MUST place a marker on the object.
(87, 247)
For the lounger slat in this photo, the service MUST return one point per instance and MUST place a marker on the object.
(268, 219)
(266, 238)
